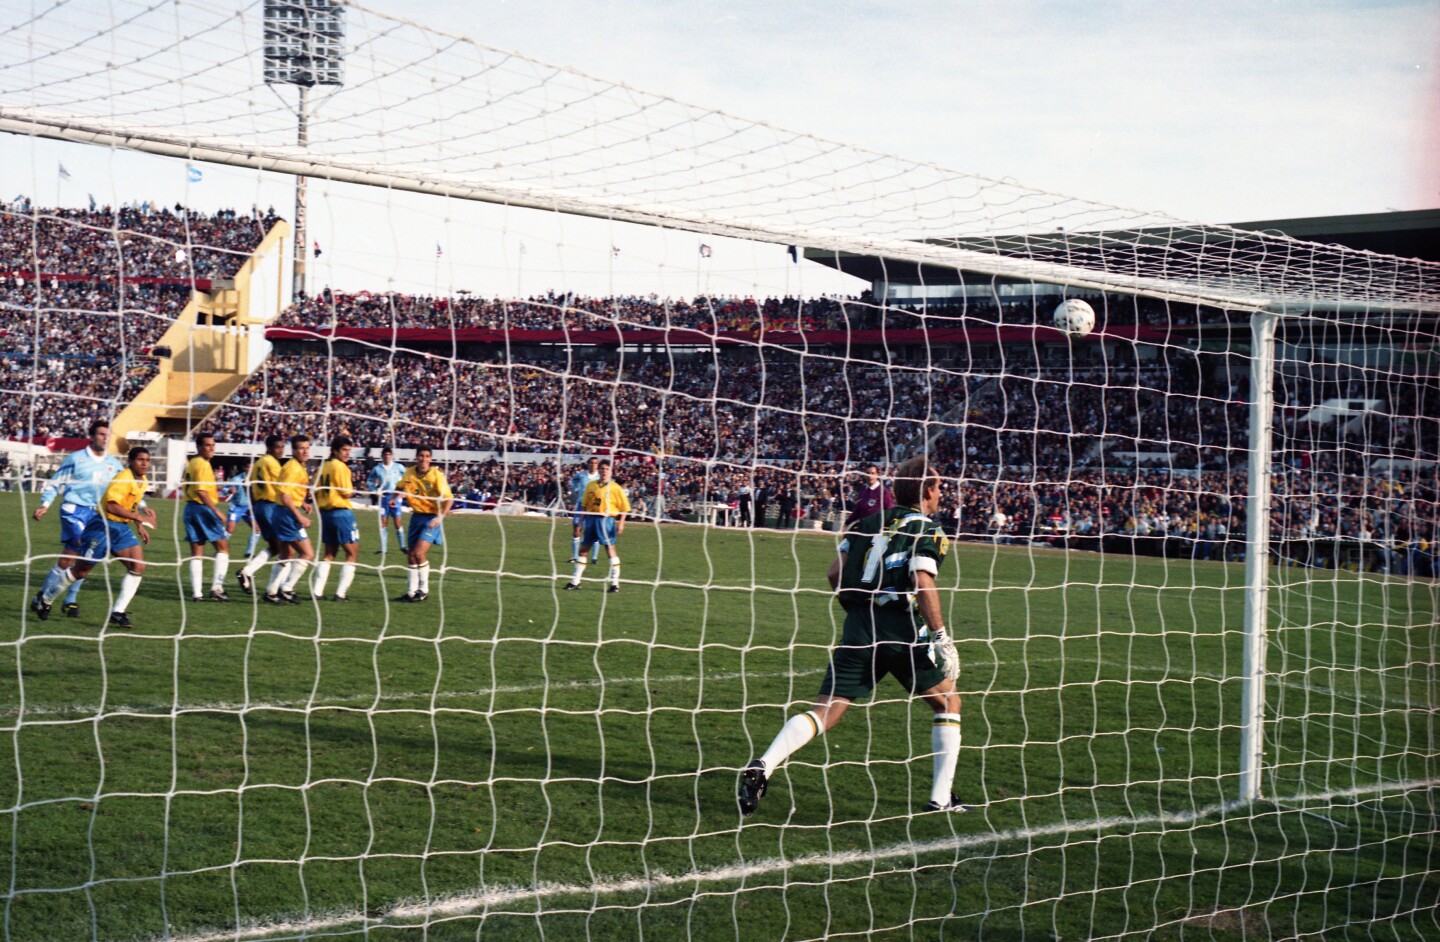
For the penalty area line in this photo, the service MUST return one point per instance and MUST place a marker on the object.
(412, 914)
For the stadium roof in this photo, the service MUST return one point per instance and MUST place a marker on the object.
(1413, 234)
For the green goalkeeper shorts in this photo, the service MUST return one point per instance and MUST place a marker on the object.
(876, 643)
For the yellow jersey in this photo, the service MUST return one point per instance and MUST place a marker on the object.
(425, 491)
(294, 480)
(607, 500)
(199, 478)
(124, 490)
(334, 486)
(263, 475)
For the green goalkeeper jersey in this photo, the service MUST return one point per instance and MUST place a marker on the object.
(883, 553)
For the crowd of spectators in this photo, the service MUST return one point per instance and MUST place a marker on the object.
(572, 312)
(1153, 453)
(86, 294)
(129, 242)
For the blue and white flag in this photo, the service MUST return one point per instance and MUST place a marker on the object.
(193, 174)
(64, 174)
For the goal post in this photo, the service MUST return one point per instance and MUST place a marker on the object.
(1257, 553)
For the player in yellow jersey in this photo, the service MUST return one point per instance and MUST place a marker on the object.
(604, 508)
(264, 473)
(430, 501)
(204, 523)
(289, 521)
(110, 533)
(334, 491)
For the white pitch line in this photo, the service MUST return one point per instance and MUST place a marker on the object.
(326, 702)
(412, 914)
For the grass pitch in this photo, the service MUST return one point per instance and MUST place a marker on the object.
(516, 762)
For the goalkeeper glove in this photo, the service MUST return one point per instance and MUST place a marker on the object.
(942, 654)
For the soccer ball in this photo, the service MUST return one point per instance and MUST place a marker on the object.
(1075, 318)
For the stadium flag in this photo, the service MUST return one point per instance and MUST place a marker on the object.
(439, 252)
(194, 174)
(92, 201)
(318, 253)
(705, 250)
(64, 174)
(614, 250)
(794, 253)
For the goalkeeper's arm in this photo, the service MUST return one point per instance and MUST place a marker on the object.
(927, 600)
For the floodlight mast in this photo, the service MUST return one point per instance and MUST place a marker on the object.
(304, 47)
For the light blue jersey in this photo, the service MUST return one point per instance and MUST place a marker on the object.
(578, 483)
(236, 491)
(383, 478)
(82, 479)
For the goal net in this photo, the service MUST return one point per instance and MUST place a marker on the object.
(521, 268)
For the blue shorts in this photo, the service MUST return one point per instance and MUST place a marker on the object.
(391, 505)
(203, 525)
(424, 527)
(284, 525)
(241, 514)
(338, 527)
(74, 521)
(104, 536)
(260, 513)
(578, 519)
(598, 530)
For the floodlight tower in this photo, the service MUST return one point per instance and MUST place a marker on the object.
(304, 47)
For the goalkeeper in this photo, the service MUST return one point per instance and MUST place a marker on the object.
(885, 575)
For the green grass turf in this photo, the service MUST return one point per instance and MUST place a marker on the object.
(247, 765)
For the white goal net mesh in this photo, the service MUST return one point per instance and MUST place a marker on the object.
(507, 757)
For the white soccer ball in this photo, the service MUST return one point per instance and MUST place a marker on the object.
(1075, 318)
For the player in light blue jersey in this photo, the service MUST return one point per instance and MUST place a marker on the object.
(236, 493)
(578, 483)
(381, 483)
(79, 482)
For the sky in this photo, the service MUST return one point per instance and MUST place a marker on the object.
(1217, 112)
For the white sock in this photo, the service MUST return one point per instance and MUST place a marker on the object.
(128, 587)
(425, 578)
(347, 576)
(222, 568)
(414, 579)
(322, 576)
(197, 575)
(256, 561)
(278, 572)
(579, 570)
(945, 743)
(297, 569)
(384, 534)
(796, 732)
(614, 570)
(63, 580)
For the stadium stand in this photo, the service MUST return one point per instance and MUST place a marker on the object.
(74, 339)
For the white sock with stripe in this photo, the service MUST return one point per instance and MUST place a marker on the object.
(945, 743)
(796, 732)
